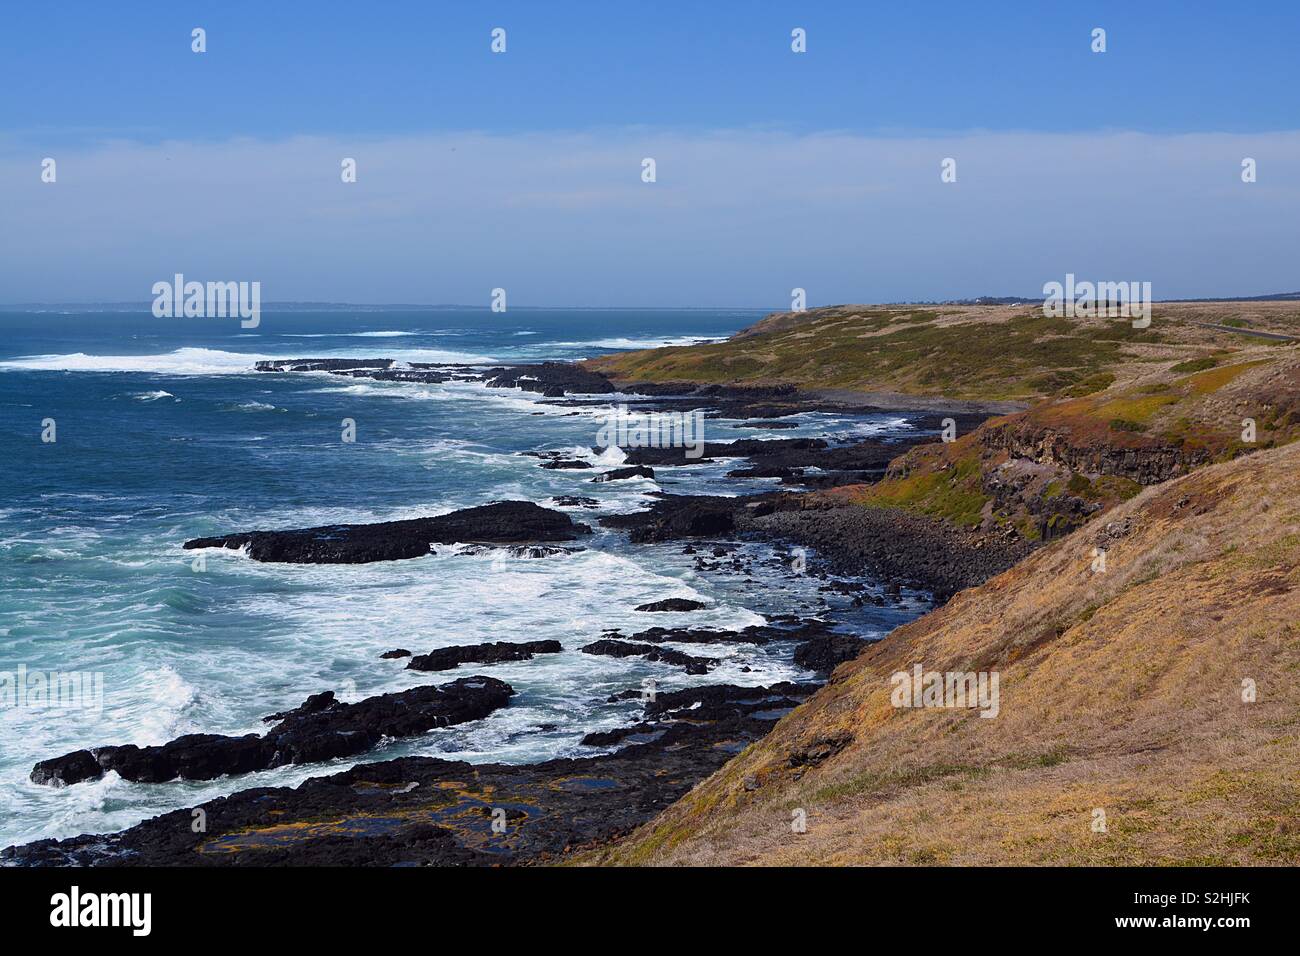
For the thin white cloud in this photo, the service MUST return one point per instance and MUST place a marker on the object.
(736, 217)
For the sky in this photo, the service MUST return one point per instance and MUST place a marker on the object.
(523, 169)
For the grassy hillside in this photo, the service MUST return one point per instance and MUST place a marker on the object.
(1111, 408)
(1042, 472)
(1121, 691)
(990, 353)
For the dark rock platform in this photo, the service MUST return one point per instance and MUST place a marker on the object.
(613, 648)
(422, 810)
(673, 604)
(622, 474)
(445, 658)
(505, 522)
(320, 729)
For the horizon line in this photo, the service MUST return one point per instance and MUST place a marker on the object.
(304, 304)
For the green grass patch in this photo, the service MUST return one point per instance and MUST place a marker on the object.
(953, 493)
(1093, 383)
(1206, 382)
(1194, 365)
(1140, 409)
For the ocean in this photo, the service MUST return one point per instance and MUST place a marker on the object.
(163, 432)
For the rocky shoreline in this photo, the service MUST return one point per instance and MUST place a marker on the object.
(425, 810)
(320, 729)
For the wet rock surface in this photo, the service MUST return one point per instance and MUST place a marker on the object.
(673, 604)
(324, 365)
(504, 522)
(549, 378)
(742, 448)
(445, 658)
(422, 810)
(615, 648)
(678, 516)
(523, 550)
(552, 379)
(824, 654)
(891, 544)
(576, 501)
(320, 729)
(894, 545)
(804, 462)
(622, 474)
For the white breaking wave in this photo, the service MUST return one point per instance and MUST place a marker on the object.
(647, 343)
(152, 396)
(349, 335)
(199, 361)
(186, 361)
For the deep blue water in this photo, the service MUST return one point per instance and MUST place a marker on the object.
(165, 433)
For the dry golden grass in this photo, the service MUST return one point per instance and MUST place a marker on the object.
(1120, 691)
(970, 352)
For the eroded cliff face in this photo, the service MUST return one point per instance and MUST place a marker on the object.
(1147, 462)
(1147, 709)
(1039, 474)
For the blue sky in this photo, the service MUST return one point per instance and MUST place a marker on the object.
(101, 86)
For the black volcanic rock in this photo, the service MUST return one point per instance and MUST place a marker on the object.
(673, 604)
(394, 654)
(567, 464)
(824, 654)
(313, 704)
(721, 701)
(799, 631)
(323, 365)
(891, 544)
(769, 448)
(524, 550)
(765, 471)
(755, 634)
(607, 738)
(576, 501)
(320, 729)
(445, 658)
(549, 378)
(379, 814)
(677, 516)
(620, 474)
(664, 655)
(505, 522)
(69, 769)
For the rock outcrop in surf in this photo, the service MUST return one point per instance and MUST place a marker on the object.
(504, 522)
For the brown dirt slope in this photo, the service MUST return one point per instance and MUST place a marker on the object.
(1121, 693)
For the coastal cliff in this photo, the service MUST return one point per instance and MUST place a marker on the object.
(1147, 712)
(1144, 651)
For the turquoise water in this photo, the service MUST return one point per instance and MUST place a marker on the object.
(165, 433)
